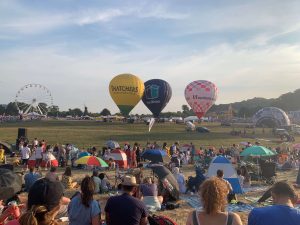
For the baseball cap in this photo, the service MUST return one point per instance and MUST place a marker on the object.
(45, 192)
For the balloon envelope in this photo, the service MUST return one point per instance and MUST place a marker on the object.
(126, 90)
(157, 95)
(201, 95)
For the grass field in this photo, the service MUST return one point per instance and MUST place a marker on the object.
(85, 134)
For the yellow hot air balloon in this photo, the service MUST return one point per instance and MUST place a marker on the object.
(126, 90)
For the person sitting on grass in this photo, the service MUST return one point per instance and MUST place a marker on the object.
(148, 193)
(283, 212)
(213, 194)
(67, 180)
(124, 208)
(44, 200)
(31, 177)
(83, 209)
(52, 175)
(97, 182)
(105, 185)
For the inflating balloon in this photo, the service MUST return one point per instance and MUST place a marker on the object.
(201, 95)
(126, 90)
(157, 95)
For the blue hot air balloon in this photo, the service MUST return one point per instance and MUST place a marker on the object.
(157, 95)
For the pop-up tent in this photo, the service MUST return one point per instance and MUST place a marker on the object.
(222, 163)
(119, 157)
(6, 147)
(32, 160)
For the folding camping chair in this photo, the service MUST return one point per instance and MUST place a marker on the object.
(120, 174)
(268, 172)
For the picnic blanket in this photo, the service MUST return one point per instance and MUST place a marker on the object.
(194, 202)
(269, 202)
(255, 188)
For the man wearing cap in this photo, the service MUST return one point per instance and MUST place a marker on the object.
(283, 212)
(44, 201)
(126, 209)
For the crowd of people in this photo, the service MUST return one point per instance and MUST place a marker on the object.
(137, 195)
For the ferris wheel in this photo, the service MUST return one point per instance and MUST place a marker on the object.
(34, 99)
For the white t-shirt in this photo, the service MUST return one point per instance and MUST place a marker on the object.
(35, 142)
(25, 152)
(38, 153)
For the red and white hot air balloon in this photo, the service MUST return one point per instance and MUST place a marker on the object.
(201, 95)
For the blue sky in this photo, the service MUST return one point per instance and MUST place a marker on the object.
(74, 48)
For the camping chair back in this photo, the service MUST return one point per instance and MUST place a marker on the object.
(268, 170)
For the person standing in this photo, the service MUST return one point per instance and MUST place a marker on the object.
(25, 154)
(35, 142)
(126, 209)
(38, 155)
(283, 212)
(193, 152)
(68, 150)
(62, 156)
(47, 157)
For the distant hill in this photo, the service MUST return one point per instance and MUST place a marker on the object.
(288, 102)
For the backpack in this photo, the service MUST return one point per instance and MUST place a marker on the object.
(160, 220)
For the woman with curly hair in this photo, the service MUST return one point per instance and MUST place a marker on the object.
(213, 194)
(83, 209)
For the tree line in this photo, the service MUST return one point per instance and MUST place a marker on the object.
(288, 102)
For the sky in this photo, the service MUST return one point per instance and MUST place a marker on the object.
(74, 48)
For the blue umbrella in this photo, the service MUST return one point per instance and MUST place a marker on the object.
(82, 154)
(156, 156)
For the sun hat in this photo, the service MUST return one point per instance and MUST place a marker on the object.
(129, 181)
(45, 192)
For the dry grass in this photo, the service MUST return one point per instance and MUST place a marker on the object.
(179, 215)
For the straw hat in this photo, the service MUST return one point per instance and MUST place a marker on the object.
(129, 181)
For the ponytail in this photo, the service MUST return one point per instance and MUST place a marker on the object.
(38, 215)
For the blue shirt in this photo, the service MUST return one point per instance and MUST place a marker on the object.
(274, 215)
(125, 210)
(79, 214)
(29, 179)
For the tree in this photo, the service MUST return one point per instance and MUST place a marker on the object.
(53, 110)
(105, 112)
(12, 109)
(2, 109)
(75, 112)
(185, 108)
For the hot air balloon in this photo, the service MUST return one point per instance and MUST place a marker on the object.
(157, 95)
(201, 95)
(126, 90)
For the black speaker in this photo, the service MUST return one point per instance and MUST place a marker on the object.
(22, 132)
